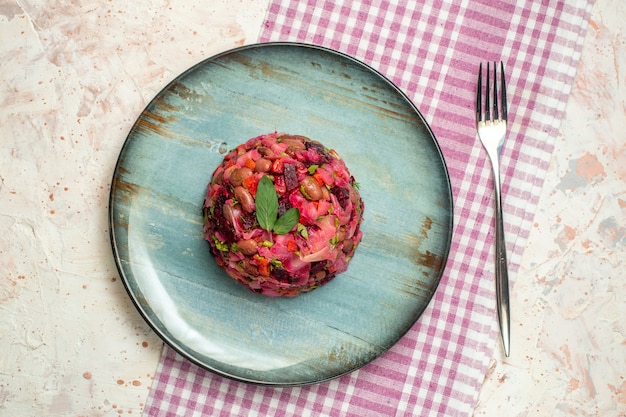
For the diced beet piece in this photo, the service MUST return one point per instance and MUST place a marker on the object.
(248, 220)
(317, 266)
(315, 145)
(281, 274)
(291, 177)
(323, 153)
(222, 225)
(342, 194)
(283, 206)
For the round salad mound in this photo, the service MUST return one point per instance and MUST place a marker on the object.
(282, 214)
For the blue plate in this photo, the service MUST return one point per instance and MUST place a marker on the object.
(160, 182)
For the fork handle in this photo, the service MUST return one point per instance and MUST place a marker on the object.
(502, 272)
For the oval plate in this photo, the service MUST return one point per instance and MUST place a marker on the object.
(160, 182)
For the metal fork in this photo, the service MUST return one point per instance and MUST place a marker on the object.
(491, 126)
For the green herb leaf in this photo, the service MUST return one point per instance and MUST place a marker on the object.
(267, 209)
(313, 168)
(266, 204)
(287, 221)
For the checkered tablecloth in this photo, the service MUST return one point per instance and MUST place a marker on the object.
(431, 50)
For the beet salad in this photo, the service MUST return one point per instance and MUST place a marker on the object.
(282, 214)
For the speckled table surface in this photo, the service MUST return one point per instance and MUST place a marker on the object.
(569, 294)
(72, 343)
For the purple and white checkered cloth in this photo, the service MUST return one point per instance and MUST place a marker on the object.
(431, 50)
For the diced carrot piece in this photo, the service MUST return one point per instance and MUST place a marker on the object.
(251, 184)
(263, 265)
(264, 270)
(250, 164)
(318, 178)
(292, 246)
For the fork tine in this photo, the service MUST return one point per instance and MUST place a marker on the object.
(496, 115)
(487, 107)
(503, 91)
(479, 110)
